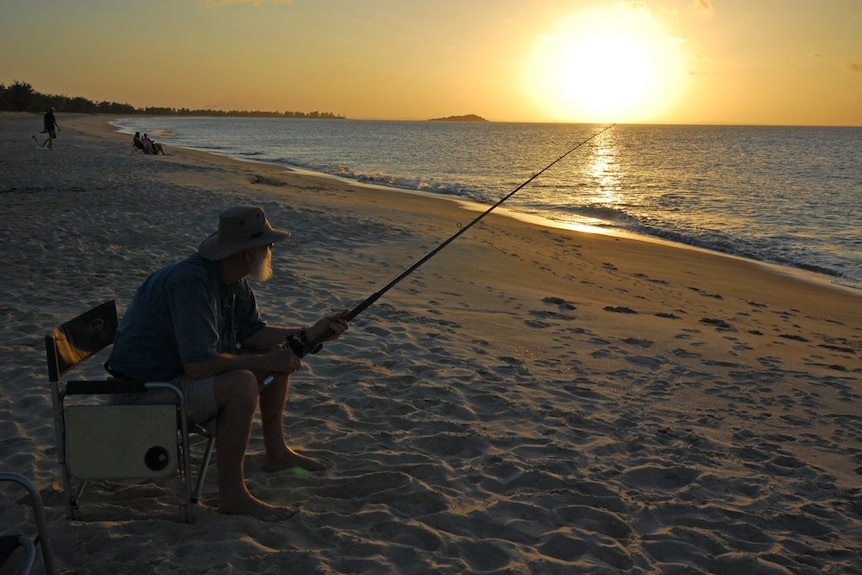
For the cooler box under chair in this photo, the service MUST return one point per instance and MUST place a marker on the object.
(121, 441)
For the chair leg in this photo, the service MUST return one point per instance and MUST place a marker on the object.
(187, 512)
(30, 550)
(204, 467)
(73, 495)
(70, 492)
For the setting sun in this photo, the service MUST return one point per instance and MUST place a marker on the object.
(604, 66)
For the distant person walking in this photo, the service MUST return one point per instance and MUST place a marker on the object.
(50, 127)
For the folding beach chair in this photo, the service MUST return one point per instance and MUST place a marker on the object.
(97, 441)
(11, 544)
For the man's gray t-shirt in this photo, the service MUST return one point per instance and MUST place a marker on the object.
(181, 314)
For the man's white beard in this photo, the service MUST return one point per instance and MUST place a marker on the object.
(261, 268)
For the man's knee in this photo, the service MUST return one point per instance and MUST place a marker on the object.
(236, 387)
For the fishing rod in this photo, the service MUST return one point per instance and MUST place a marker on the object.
(301, 346)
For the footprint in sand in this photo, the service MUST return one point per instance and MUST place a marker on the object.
(619, 309)
(720, 324)
(794, 337)
(644, 361)
(706, 294)
(644, 343)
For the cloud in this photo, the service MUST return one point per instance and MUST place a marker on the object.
(216, 3)
(635, 5)
(632, 8)
(703, 7)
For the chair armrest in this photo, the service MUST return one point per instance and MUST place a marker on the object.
(105, 386)
(43, 538)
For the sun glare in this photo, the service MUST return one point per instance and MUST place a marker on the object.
(605, 66)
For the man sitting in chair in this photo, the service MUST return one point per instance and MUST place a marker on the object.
(196, 324)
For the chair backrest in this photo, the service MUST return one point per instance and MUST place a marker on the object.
(80, 338)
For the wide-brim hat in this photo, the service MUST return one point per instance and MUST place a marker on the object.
(240, 228)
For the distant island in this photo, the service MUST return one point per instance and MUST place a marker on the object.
(467, 118)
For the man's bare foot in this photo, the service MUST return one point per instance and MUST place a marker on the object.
(291, 459)
(256, 508)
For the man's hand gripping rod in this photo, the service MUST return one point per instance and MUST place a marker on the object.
(302, 347)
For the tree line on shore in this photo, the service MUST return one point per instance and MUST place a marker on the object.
(21, 97)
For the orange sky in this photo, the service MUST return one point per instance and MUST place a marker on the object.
(789, 62)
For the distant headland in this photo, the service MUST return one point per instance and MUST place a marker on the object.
(21, 97)
(467, 118)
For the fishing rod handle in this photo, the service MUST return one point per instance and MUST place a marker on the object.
(300, 346)
(298, 350)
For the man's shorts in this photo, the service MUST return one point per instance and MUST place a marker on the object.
(199, 395)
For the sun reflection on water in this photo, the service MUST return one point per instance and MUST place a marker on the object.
(602, 169)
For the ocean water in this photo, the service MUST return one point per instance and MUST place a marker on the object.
(785, 195)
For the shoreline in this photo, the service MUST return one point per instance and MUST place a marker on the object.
(800, 272)
(531, 399)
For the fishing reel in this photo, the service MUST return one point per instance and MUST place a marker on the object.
(301, 346)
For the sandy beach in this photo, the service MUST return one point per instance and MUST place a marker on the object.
(531, 401)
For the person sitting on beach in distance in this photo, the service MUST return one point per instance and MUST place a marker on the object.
(197, 324)
(148, 144)
(137, 142)
(151, 147)
(50, 125)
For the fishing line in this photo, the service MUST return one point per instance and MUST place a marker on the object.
(302, 347)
